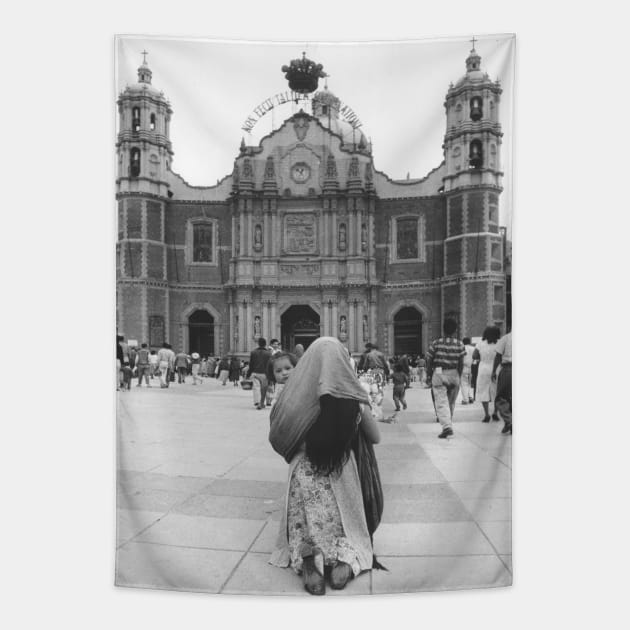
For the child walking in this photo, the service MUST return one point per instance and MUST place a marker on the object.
(401, 382)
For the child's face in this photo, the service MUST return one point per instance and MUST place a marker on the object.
(281, 369)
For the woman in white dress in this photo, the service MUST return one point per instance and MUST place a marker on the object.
(484, 353)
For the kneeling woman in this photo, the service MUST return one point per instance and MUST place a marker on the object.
(314, 424)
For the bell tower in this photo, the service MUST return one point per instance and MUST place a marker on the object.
(143, 147)
(144, 155)
(474, 288)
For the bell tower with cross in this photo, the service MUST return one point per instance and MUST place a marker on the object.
(474, 291)
(144, 155)
(144, 147)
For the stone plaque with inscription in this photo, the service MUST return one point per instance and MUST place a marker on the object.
(300, 234)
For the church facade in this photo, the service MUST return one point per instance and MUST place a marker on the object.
(304, 237)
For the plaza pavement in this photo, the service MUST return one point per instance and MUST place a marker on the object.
(200, 492)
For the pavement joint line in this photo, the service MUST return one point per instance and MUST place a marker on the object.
(144, 529)
(202, 547)
(238, 564)
(492, 545)
(481, 448)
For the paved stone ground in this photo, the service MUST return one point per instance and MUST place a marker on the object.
(200, 491)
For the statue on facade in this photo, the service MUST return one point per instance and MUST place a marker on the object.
(363, 237)
(365, 328)
(343, 325)
(257, 327)
(258, 237)
(342, 236)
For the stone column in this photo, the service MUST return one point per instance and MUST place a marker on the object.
(333, 239)
(358, 232)
(250, 234)
(241, 325)
(273, 324)
(250, 324)
(335, 320)
(360, 312)
(275, 245)
(266, 238)
(352, 327)
(231, 345)
(373, 322)
(241, 218)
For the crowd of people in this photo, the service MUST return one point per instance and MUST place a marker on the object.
(323, 423)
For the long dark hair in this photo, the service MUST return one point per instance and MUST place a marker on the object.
(491, 334)
(329, 440)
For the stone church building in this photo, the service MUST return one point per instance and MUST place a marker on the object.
(304, 237)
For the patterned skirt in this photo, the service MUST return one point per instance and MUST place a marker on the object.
(313, 517)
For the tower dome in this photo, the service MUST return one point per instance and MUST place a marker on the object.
(143, 86)
(474, 73)
(326, 107)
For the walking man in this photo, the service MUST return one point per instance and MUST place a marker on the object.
(503, 399)
(142, 364)
(181, 363)
(166, 359)
(258, 360)
(445, 362)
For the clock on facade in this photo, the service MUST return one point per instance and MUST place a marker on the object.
(300, 172)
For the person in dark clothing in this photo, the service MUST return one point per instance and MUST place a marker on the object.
(400, 381)
(258, 360)
(235, 371)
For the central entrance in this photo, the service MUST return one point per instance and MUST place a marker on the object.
(407, 331)
(298, 324)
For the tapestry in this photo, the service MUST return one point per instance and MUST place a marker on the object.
(321, 232)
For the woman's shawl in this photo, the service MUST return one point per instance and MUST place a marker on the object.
(324, 369)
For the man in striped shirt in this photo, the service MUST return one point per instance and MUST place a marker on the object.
(445, 362)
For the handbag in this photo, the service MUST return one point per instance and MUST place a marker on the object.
(371, 487)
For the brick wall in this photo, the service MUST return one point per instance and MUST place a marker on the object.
(155, 261)
(475, 212)
(134, 218)
(476, 308)
(477, 251)
(132, 255)
(154, 221)
(453, 257)
(455, 216)
(131, 308)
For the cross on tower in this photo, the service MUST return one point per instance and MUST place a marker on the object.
(144, 55)
(473, 40)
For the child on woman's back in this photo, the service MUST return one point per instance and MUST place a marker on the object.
(278, 370)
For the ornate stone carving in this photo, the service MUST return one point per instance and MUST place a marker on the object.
(353, 171)
(331, 167)
(248, 171)
(270, 170)
(301, 125)
(299, 233)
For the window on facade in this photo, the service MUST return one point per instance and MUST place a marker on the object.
(498, 293)
(134, 166)
(406, 239)
(135, 116)
(475, 156)
(476, 111)
(202, 242)
(152, 125)
(458, 112)
(324, 109)
(496, 251)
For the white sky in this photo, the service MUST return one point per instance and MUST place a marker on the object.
(397, 90)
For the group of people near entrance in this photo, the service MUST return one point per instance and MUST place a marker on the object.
(322, 424)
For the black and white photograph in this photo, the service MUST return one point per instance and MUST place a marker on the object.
(313, 315)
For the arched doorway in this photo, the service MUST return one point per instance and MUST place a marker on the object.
(299, 324)
(201, 333)
(408, 331)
